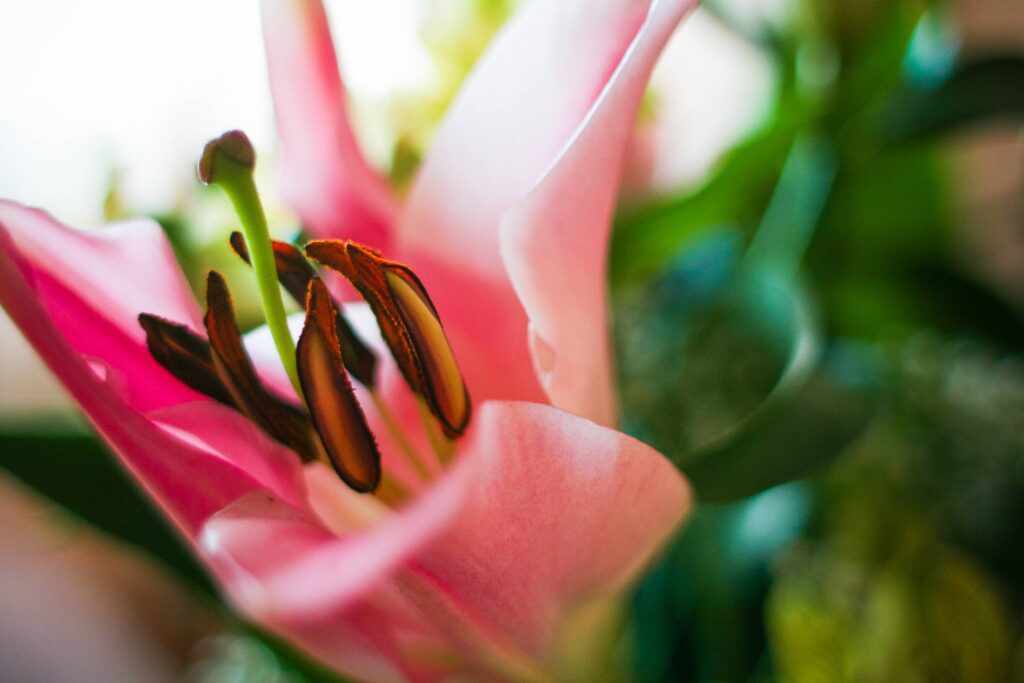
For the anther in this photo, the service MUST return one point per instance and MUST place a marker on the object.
(409, 324)
(184, 354)
(332, 403)
(295, 273)
(285, 422)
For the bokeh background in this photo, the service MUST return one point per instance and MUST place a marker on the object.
(818, 291)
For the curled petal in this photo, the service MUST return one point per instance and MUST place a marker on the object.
(543, 79)
(324, 176)
(490, 559)
(189, 482)
(590, 506)
(95, 284)
(555, 241)
(516, 110)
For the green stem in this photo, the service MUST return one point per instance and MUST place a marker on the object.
(795, 209)
(228, 162)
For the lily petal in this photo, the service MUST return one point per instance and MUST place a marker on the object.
(95, 284)
(189, 482)
(515, 112)
(227, 435)
(555, 241)
(452, 557)
(575, 490)
(324, 176)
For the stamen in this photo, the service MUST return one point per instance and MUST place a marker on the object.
(448, 392)
(283, 421)
(443, 446)
(295, 273)
(399, 436)
(228, 161)
(409, 324)
(335, 411)
(293, 270)
(184, 354)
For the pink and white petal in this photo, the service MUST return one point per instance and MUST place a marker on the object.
(189, 483)
(541, 512)
(346, 600)
(516, 111)
(282, 566)
(324, 176)
(561, 511)
(95, 284)
(363, 646)
(555, 241)
(226, 434)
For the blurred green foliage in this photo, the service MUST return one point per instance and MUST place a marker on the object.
(901, 560)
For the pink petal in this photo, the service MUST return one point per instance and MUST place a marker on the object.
(189, 482)
(562, 511)
(542, 512)
(323, 174)
(329, 594)
(555, 241)
(516, 111)
(227, 435)
(95, 284)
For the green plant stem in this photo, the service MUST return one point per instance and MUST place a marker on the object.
(237, 182)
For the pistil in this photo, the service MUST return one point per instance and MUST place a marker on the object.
(228, 162)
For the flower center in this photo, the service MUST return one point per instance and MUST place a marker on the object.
(331, 425)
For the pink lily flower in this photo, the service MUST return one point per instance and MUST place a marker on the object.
(545, 509)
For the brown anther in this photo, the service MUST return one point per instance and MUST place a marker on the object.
(233, 147)
(332, 403)
(184, 354)
(295, 273)
(283, 421)
(409, 324)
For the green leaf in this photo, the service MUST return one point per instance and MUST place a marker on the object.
(646, 241)
(698, 615)
(725, 374)
(722, 360)
(978, 91)
(807, 420)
